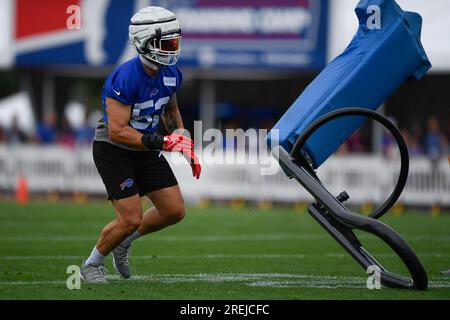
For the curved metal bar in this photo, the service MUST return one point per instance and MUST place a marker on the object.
(339, 222)
(387, 205)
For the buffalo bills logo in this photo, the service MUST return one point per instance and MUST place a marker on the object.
(154, 92)
(126, 184)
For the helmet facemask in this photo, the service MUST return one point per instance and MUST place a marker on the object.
(163, 49)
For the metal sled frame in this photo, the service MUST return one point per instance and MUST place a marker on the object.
(339, 222)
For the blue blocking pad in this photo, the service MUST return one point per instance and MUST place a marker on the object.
(372, 67)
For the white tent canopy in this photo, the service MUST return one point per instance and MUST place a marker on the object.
(17, 106)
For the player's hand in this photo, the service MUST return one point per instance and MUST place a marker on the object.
(194, 162)
(179, 143)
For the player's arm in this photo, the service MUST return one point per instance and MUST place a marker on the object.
(119, 131)
(172, 120)
(172, 116)
(118, 128)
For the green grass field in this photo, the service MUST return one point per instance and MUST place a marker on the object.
(215, 253)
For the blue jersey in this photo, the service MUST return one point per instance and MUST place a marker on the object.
(147, 96)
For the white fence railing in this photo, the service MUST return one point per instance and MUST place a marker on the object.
(365, 178)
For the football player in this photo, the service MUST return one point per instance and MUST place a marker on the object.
(136, 97)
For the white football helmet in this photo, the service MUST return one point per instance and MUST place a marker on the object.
(156, 34)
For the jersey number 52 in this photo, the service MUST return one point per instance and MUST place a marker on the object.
(146, 114)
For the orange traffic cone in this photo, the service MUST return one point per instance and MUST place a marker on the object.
(22, 191)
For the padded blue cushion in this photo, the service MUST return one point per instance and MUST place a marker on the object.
(371, 68)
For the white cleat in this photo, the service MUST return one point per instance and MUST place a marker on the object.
(93, 274)
(120, 261)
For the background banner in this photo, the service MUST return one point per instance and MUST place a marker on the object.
(216, 33)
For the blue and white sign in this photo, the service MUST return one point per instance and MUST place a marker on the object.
(216, 33)
(254, 33)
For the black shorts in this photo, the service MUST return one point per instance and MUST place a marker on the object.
(126, 173)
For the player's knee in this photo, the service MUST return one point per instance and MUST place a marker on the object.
(129, 215)
(130, 224)
(130, 220)
(177, 213)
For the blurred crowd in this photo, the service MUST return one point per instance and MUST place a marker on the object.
(434, 142)
(49, 132)
(431, 140)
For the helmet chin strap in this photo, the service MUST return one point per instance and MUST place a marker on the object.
(148, 63)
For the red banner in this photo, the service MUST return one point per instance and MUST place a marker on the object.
(35, 17)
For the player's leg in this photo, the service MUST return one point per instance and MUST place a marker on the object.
(116, 167)
(157, 181)
(128, 219)
(168, 210)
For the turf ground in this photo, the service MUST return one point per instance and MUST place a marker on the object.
(215, 253)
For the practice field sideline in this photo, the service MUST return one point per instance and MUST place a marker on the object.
(215, 253)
